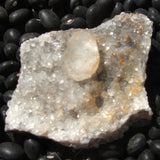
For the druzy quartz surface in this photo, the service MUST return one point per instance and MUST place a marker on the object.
(106, 97)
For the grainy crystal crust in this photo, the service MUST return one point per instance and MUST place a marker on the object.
(49, 102)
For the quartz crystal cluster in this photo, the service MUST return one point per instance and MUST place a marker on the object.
(81, 87)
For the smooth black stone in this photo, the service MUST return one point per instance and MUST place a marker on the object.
(158, 36)
(2, 56)
(12, 5)
(146, 155)
(88, 3)
(117, 9)
(34, 25)
(94, 16)
(155, 147)
(80, 11)
(7, 95)
(20, 16)
(67, 17)
(32, 148)
(76, 22)
(141, 3)
(27, 36)
(74, 3)
(129, 158)
(11, 81)
(2, 83)
(156, 4)
(154, 133)
(154, 15)
(49, 19)
(142, 11)
(10, 50)
(10, 151)
(3, 16)
(136, 144)
(3, 111)
(11, 36)
(8, 67)
(129, 5)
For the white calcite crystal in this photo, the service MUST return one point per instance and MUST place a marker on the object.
(83, 87)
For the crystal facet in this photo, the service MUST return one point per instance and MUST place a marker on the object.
(83, 87)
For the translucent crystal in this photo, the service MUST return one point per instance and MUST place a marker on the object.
(80, 104)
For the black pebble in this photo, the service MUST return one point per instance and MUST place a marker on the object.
(146, 155)
(94, 16)
(155, 147)
(2, 83)
(129, 5)
(8, 67)
(3, 16)
(32, 148)
(156, 4)
(67, 17)
(136, 144)
(154, 133)
(80, 11)
(10, 50)
(11, 80)
(10, 151)
(3, 111)
(49, 19)
(76, 22)
(117, 9)
(88, 3)
(154, 15)
(27, 36)
(142, 11)
(74, 3)
(7, 95)
(34, 25)
(11, 36)
(141, 3)
(20, 16)
(12, 5)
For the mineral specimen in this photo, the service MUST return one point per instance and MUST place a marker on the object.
(81, 87)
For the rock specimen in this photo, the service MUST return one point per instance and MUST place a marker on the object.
(81, 87)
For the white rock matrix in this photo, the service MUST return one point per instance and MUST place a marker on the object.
(83, 87)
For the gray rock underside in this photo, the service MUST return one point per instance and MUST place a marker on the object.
(48, 102)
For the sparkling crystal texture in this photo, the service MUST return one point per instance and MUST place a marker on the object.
(81, 92)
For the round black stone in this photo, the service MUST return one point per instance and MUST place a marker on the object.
(155, 147)
(117, 9)
(156, 4)
(20, 16)
(129, 5)
(34, 25)
(10, 50)
(154, 133)
(11, 80)
(80, 11)
(146, 155)
(76, 22)
(67, 17)
(32, 148)
(11, 36)
(7, 95)
(12, 5)
(27, 36)
(10, 151)
(3, 16)
(74, 3)
(8, 67)
(49, 19)
(142, 11)
(136, 144)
